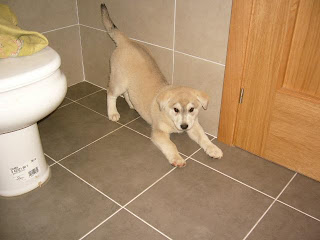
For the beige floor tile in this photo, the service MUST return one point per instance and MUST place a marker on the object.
(81, 90)
(198, 203)
(121, 165)
(63, 208)
(257, 172)
(124, 226)
(282, 222)
(71, 128)
(303, 193)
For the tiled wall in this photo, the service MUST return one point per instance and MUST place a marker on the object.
(187, 38)
(58, 21)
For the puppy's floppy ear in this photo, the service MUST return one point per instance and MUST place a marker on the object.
(163, 99)
(203, 98)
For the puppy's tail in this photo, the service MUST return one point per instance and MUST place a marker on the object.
(117, 36)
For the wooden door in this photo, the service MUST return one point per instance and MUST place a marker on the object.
(274, 56)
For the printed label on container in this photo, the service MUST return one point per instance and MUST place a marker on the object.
(26, 171)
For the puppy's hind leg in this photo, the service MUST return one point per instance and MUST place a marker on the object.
(113, 113)
(127, 98)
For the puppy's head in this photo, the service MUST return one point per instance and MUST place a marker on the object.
(182, 105)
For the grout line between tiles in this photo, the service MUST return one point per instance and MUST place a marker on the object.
(213, 137)
(59, 28)
(93, 229)
(149, 187)
(69, 99)
(206, 60)
(121, 207)
(234, 179)
(74, 84)
(95, 112)
(101, 30)
(151, 44)
(66, 104)
(299, 210)
(94, 84)
(55, 162)
(52, 163)
(147, 224)
(138, 132)
(83, 72)
(99, 191)
(254, 226)
(174, 39)
(88, 95)
(158, 180)
(77, 10)
(90, 144)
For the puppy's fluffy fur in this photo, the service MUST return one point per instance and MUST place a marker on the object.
(167, 108)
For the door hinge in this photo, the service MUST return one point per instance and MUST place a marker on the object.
(241, 95)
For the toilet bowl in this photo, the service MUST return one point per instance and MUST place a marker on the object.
(31, 88)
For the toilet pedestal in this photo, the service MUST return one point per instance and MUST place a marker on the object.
(22, 163)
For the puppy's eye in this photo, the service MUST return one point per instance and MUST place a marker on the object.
(191, 109)
(176, 110)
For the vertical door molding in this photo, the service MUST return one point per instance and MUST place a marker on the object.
(239, 27)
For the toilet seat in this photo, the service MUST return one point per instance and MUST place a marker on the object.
(21, 71)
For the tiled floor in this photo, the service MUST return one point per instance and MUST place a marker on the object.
(110, 182)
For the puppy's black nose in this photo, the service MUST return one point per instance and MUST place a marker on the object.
(184, 126)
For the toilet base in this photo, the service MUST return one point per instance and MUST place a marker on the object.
(23, 166)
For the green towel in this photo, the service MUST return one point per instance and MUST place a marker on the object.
(13, 40)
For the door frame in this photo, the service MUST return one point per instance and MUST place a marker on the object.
(236, 55)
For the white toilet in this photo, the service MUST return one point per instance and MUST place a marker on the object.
(31, 88)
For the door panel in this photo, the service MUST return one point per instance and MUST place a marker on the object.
(294, 134)
(303, 71)
(268, 45)
(279, 117)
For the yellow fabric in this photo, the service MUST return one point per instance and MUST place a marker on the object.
(13, 40)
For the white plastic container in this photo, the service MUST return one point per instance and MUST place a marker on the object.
(31, 88)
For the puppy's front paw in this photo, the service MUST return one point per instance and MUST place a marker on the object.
(214, 152)
(114, 117)
(178, 161)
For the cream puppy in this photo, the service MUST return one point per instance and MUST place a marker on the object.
(167, 108)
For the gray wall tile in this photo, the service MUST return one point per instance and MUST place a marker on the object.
(67, 43)
(43, 15)
(97, 48)
(202, 28)
(150, 21)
